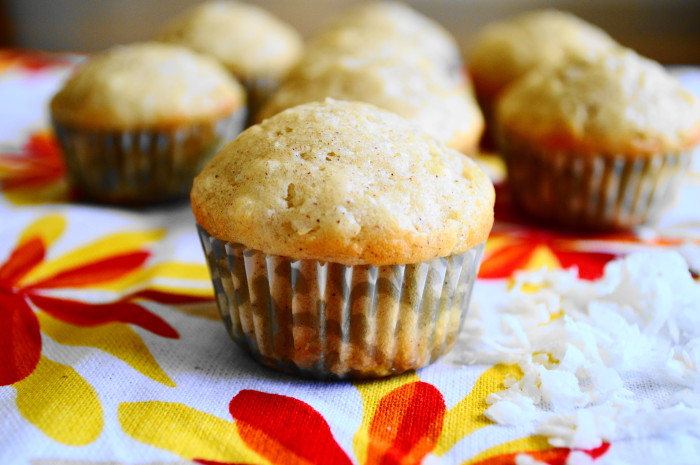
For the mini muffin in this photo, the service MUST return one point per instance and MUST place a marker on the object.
(597, 143)
(506, 50)
(255, 46)
(394, 20)
(136, 123)
(413, 90)
(342, 243)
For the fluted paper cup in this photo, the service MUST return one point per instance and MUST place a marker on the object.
(331, 321)
(599, 191)
(142, 167)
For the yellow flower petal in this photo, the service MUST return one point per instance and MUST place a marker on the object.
(178, 270)
(529, 443)
(58, 401)
(169, 271)
(542, 257)
(372, 393)
(117, 339)
(50, 193)
(185, 431)
(109, 246)
(48, 228)
(468, 415)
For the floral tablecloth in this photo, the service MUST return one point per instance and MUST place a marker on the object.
(112, 352)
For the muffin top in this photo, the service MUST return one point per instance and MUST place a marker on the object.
(368, 44)
(396, 20)
(620, 103)
(248, 40)
(146, 85)
(412, 90)
(344, 182)
(505, 50)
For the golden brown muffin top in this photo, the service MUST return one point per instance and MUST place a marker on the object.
(506, 50)
(146, 85)
(344, 182)
(413, 90)
(620, 103)
(248, 40)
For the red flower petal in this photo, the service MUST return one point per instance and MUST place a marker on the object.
(285, 430)
(86, 314)
(101, 271)
(168, 297)
(590, 264)
(20, 340)
(39, 162)
(406, 425)
(22, 260)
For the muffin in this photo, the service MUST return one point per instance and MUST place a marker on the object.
(255, 46)
(411, 90)
(597, 143)
(136, 123)
(393, 21)
(506, 50)
(342, 243)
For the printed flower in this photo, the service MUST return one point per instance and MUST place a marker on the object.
(40, 294)
(36, 173)
(403, 421)
(512, 248)
(531, 249)
(517, 244)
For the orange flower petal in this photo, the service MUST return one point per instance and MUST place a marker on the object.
(502, 263)
(406, 425)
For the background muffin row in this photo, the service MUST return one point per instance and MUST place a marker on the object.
(593, 134)
(137, 122)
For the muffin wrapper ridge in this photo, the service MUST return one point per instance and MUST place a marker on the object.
(142, 167)
(595, 192)
(331, 321)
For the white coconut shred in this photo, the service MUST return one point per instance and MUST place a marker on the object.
(606, 360)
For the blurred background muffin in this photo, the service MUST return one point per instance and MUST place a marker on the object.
(597, 143)
(663, 30)
(341, 241)
(395, 21)
(253, 44)
(136, 123)
(506, 50)
(372, 54)
(427, 99)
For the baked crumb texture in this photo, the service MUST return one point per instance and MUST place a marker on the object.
(344, 182)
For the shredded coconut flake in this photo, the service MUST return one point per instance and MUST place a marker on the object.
(586, 349)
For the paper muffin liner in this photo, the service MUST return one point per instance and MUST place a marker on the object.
(259, 90)
(601, 191)
(142, 167)
(332, 321)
